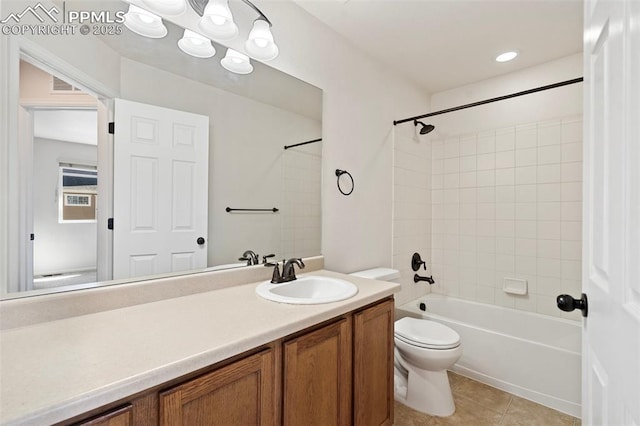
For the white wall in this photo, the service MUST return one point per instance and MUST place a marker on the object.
(507, 188)
(361, 100)
(59, 247)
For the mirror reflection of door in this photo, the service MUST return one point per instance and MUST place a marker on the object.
(62, 186)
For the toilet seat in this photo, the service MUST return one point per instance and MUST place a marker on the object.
(426, 334)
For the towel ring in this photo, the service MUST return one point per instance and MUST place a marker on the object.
(344, 172)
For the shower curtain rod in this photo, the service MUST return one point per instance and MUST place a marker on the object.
(488, 101)
(302, 143)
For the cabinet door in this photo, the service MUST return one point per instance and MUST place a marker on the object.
(317, 377)
(241, 393)
(120, 417)
(373, 365)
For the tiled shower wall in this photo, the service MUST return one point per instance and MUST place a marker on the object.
(411, 208)
(507, 203)
(301, 213)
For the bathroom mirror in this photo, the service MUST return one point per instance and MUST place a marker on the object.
(251, 119)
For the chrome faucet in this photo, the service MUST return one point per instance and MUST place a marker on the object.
(251, 257)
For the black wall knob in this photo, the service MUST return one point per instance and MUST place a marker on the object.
(567, 303)
(200, 241)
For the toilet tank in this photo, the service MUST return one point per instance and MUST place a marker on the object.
(381, 274)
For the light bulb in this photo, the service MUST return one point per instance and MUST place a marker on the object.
(217, 21)
(166, 7)
(236, 62)
(260, 44)
(506, 57)
(196, 45)
(144, 23)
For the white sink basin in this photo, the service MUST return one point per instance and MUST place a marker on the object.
(309, 290)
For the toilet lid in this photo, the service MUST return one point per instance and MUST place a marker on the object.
(425, 333)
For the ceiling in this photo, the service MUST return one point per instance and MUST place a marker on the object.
(442, 44)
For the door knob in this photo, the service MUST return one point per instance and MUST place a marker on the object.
(200, 241)
(568, 303)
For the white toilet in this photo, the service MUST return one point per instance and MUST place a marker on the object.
(424, 350)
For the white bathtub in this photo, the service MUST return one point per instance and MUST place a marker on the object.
(530, 355)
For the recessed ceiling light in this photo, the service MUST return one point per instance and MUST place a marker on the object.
(506, 56)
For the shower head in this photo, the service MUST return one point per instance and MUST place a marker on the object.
(426, 128)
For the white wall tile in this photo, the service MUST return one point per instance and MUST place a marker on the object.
(486, 144)
(468, 163)
(451, 165)
(572, 191)
(526, 157)
(550, 133)
(505, 194)
(526, 211)
(505, 203)
(572, 211)
(526, 229)
(572, 152)
(572, 172)
(525, 175)
(487, 195)
(486, 161)
(468, 146)
(549, 192)
(549, 230)
(486, 178)
(549, 211)
(526, 247)
(468, 180)
(505, 176)
(526, 136)
(505, 139)
(526, 193)
(571, 130)
(550, 173)
(506, 245)
(505, 159)
(505, 211)
(551, 154)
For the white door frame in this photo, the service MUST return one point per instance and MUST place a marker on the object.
(12, 49)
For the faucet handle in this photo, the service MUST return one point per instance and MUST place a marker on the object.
(268, 256)
(276, 278)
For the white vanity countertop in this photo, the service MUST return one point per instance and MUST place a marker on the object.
(53, 371)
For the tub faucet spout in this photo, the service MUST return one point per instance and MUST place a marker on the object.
(417, 278)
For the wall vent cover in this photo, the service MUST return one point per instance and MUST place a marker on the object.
(58, 85)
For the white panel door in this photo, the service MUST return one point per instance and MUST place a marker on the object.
(160, 190)
(611, 247)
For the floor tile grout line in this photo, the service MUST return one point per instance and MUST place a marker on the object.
(506, 410)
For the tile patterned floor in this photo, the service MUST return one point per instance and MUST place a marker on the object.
(478, 404)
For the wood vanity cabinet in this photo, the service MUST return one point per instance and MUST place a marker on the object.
(373, 365)
(118, 417)
(337, 373)
(242, 393)
(317, 377)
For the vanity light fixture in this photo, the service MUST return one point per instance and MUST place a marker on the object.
(216, 23)
(196, 45)
(236, 62)
(144, 23)
(506, 56)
